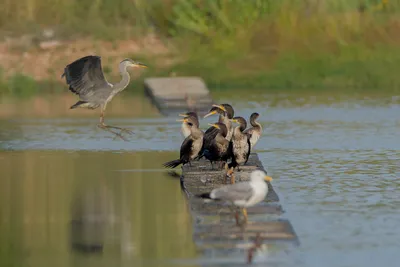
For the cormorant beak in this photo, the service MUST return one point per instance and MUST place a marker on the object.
(184, 120)
(220, 107)
(268, 178)
(139, 65)
(214, 125)
(183, 115)
(232, 120)
(210, 113)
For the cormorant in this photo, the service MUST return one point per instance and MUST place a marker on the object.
(255, 131)
(226, 113)
(185, 128)
(190, 147)
(219, 148)
(240, 146)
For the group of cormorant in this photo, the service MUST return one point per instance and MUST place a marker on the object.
(222, 142)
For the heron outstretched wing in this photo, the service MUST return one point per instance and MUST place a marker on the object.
(85, 75)
(235, 192)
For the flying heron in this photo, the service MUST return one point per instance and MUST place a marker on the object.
(85, 78)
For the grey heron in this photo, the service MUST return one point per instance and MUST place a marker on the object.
(243, 194)
(85, 78)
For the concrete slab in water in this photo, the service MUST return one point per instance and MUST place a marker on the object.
(172, 95)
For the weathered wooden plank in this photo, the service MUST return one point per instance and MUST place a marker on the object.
(172, 95)
(207, 209)
(215, 224)
(269, 230)
(200, 177)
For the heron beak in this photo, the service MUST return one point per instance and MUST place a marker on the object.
(220, 107)
(139, 65)
(209, 114)
(268, 178)
(214, 125)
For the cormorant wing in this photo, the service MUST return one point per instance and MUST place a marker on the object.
(186, 147)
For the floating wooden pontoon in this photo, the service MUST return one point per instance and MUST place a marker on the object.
(215, 224)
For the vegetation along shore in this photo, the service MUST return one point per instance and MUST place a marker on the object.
(260, 44)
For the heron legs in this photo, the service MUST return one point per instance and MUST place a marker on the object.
(109, 128)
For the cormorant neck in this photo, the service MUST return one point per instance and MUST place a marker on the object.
(255, 124)
(239, 129)
(196, 132)
(220, 138)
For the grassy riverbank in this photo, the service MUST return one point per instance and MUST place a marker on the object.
(287, 44)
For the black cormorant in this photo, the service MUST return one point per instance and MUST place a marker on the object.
(190, 147)
(219, 148)
(255, 131)
(185, 128)
(240, 146)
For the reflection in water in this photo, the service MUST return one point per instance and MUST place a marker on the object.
(52, 201)
(91, 216)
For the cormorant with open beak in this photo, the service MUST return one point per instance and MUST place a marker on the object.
(241, 146)
(226, 113)
(219, 149)
(185, 128)
(255, 131)
(191, 146)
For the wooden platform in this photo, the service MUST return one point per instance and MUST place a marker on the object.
(215, 224)
(172, 95)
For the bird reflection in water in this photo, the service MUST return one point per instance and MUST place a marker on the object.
(91, 217)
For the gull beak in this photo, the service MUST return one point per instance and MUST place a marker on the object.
(220, 107)
(268, 178)
(139, 65)
(214, 125)
(209, 114)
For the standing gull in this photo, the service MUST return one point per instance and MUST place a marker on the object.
(85, 78)
(243, 194)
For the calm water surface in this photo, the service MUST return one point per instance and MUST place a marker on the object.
(68, 189)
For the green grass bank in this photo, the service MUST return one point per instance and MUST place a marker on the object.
(268, 44)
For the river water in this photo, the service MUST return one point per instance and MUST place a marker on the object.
(335, 160)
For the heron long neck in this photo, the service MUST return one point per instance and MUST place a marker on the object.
(121, 85)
